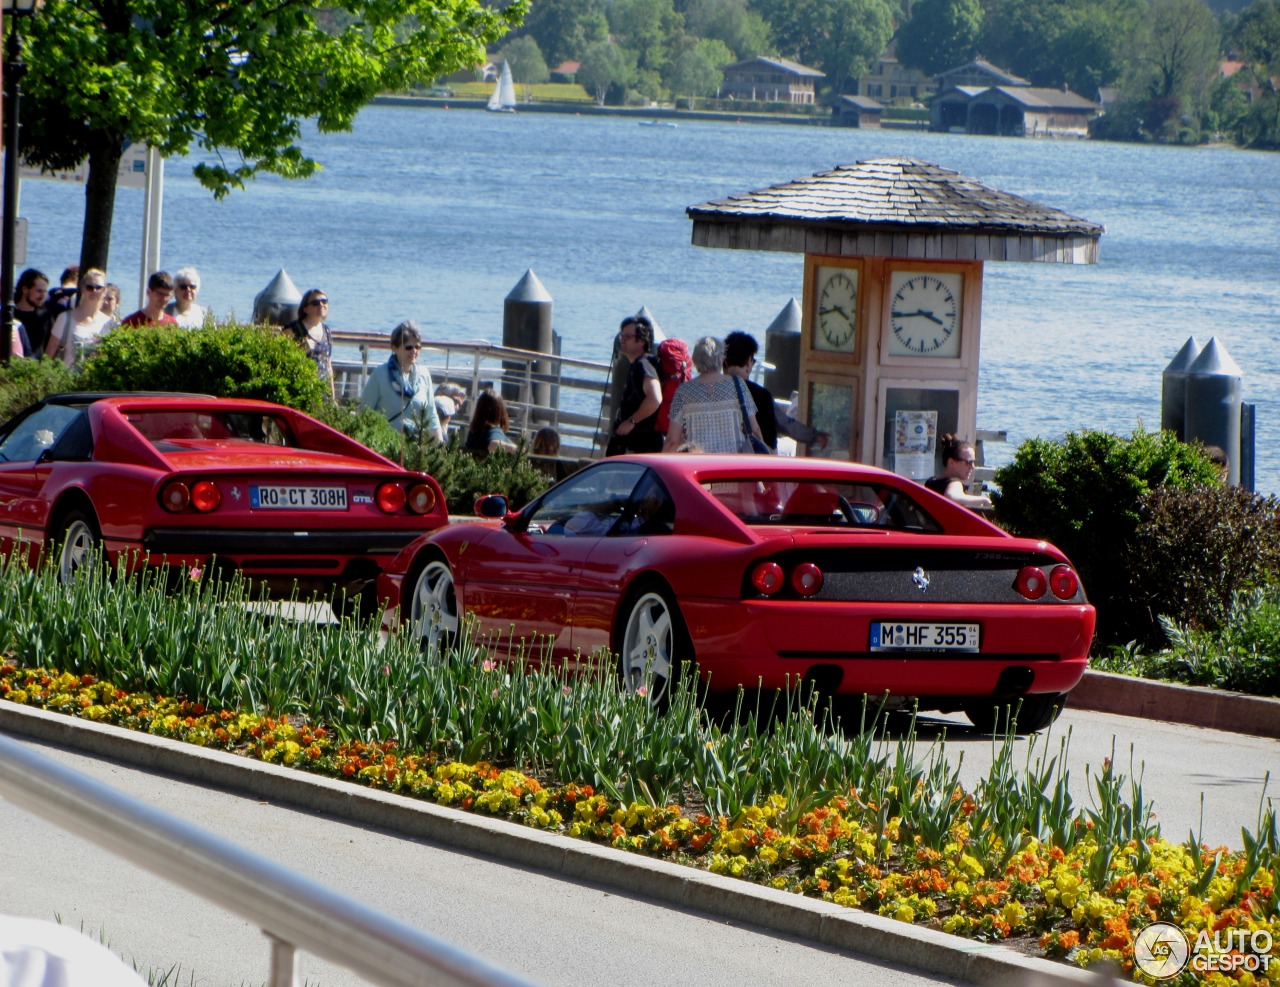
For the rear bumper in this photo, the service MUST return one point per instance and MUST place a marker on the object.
(233, 544)
(776, 642)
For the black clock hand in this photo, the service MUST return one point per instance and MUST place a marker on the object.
(921, 312)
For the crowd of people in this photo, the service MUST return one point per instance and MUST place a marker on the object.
(719, 410)
(722, 410)
(66, 322)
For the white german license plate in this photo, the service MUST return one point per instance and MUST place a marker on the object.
(909, 636)
(291, 498)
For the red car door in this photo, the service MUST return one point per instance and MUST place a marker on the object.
(524, 581)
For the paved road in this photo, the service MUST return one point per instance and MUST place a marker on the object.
(541, 926)
(545, 928)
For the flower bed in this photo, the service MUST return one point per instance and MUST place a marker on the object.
(1076, 895)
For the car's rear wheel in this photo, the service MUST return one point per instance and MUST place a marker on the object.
(1030, 713)
(433, 609)
(654, 644)
(77, 542)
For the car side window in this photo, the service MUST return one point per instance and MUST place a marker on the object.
(37, 432)
(588, 504)
(650, 511)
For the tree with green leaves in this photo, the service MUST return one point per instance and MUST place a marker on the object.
(1175, 58)
(940, 35)
(236, 78)
(1256, 42)
(1083, 44)
(606, 67)
(528, 67)
(742, 29)
(840, 37)
(647, 28)
(696, 70)
(564, 29)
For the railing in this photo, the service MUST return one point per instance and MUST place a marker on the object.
(577, 389)
(293, 911)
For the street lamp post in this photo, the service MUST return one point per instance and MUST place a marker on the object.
(14, 69)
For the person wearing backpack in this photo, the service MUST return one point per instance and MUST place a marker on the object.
(635, 427)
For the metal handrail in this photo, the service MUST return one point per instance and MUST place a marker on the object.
(294, 912)
(578, 384)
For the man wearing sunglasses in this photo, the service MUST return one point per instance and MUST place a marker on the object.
(159, 294)
(183, 308)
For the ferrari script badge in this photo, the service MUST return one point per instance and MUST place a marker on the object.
(920, 578)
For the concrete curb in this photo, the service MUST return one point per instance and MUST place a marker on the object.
(873, 936)
(1193, 705)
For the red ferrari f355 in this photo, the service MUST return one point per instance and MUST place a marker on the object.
(762, 571)
(183, 479)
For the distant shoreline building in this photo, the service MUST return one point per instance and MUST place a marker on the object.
(980, 98)
(770, 80)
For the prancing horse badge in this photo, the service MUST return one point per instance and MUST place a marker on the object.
(920, 578)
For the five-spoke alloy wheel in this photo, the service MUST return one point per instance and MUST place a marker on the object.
(433, 612)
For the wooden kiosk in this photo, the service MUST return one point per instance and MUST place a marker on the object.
(892, 306)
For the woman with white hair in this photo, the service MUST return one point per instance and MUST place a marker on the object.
(186, 285)
(707, 412)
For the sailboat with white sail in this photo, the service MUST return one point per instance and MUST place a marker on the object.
(503, 99)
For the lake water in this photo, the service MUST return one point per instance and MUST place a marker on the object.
(435, 215)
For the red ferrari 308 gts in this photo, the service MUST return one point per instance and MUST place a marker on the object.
(182, 478)
(762, 570)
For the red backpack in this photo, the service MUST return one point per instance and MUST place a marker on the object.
(674, 368)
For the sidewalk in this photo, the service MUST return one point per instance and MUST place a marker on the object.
(1103, 692)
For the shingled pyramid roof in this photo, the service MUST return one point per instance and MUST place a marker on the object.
(895, 207)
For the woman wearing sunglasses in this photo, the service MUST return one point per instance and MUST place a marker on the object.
(312, 333)
(957, 468)
(401, 390)
(86, 320)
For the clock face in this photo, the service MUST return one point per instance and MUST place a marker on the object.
(836, 317)
(924, 314)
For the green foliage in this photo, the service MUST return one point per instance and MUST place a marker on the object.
(214, 643)
(1243, 654)
(237, 79)
(24, 382)
(1196, 548)
(1083, 493)
(941, 35)
(462, 476)
(226, 361)
(606, 67)
(527, 64)
(693, 73)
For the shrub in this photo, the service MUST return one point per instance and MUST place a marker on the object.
(1083, 493)
(226, 361)
(460, 474)
(24, 382)
(1196, 548)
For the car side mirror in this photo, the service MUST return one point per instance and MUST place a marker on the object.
(492, 505)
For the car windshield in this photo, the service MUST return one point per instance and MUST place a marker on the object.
(169, 429)
(821, 503)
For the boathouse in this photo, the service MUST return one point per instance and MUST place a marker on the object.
(894, 250)
(770, 80)
(1027, 111)
(856, 111)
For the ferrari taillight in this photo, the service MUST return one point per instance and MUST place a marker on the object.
(1063, 582)
(391, 497)
(1031, 582)
(421, 498)
(767, 578)
(806, 579)
(175, 496)
(205, 495)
